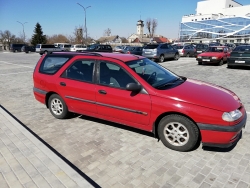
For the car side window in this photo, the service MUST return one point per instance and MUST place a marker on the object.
(81, 70)
(113, 75)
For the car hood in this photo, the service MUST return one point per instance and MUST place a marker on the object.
(203, 94)
(210, 54)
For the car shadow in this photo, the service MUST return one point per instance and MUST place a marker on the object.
(117, 125)
(240, 68)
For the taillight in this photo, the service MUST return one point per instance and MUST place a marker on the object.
(128, 52)
(183, 51)
(228, 54)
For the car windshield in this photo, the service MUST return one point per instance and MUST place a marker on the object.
(154, 74)
(215, 49)
(242, 48)
(178, 47)
(152, 46)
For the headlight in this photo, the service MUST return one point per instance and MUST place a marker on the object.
(214, 57)
(199, 57)
(231, 116)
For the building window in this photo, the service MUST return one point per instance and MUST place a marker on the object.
(202, 18)
(224, 41)
(195, 19)
(231, 41)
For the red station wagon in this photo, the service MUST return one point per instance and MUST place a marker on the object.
(137, 92)
(213, 55)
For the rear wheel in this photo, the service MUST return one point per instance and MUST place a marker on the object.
(161, 59)
(58, 107)
(45, 52)
(178, 132)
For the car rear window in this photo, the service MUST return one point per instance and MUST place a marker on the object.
(151, 46)
(51, 65)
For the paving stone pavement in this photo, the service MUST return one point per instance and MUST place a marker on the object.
(27, 162)
(116, 156)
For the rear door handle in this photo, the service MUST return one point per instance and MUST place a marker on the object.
(102, 92)
(62, 84)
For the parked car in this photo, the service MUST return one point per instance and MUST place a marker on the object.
(137, 92)
(200, 48)
(117, 49)
(47, 48)
(239, 57)
(214, 55)
(16, 47)
(186, 50)
(160, 52)
(77, 47)
(65, 47)
(28, 49)
(137, 50)
(99, 48)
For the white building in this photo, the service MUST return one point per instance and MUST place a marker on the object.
(217, 20)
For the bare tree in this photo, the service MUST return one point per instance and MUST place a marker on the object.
(7, 38)
(151, 25)
(57, 39)
(78, 33)
(107, 32)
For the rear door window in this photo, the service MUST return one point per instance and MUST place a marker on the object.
(52, 64)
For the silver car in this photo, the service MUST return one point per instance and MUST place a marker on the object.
(160, 52)
(186, 50)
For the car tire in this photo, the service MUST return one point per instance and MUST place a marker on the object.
(221, 62)
(199, 63)
(229, 67)
(161, 59)
(176, 56)
(178, 132)
(45, 52)
(41, 53)
(58, 107)
(188, 55)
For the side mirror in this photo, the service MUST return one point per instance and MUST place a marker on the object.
(133, 87)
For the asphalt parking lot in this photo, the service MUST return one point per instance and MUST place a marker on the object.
(116, 156)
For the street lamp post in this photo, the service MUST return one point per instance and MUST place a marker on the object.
(23, 29)
(85, 8)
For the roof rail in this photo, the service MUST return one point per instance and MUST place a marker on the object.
(90, 53)
(85, 52)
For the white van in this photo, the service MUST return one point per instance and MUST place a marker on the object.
(77, 47)
(63, 46)
(47, 49)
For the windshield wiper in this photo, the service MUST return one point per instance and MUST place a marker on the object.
(169, 83)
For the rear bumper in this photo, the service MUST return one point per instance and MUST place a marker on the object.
(40, 95)
(221, 136)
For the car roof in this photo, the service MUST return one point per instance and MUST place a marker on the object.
(119, 56)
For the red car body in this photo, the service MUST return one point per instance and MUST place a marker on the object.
(200, 102)
(214, 55)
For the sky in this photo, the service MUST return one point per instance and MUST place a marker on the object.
(121, 16)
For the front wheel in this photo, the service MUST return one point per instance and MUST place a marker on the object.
(221, 62)
(58, 107)
(178, 132)
(176, 56)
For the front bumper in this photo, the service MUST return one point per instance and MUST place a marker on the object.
(212, 61)
(221, 136)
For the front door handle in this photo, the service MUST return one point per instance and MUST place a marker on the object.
(102, 92)
(62, 84)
